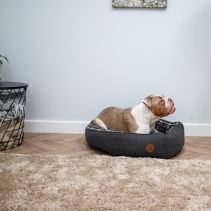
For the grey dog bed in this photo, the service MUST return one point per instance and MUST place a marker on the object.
(164, 144)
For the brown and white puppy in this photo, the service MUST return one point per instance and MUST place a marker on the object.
(139, 119)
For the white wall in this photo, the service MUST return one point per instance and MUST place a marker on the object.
(82, 56)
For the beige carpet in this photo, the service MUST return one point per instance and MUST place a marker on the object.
(33, 182)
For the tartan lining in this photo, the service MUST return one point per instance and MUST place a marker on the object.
(164, 125)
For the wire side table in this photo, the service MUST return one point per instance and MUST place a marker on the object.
(12, 114)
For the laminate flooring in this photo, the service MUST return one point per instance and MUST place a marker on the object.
(75, 144)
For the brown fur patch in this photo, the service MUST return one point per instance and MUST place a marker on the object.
(118, 119)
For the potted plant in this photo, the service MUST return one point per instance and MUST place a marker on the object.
(1, 63)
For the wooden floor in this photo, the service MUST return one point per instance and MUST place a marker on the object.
(75, 144)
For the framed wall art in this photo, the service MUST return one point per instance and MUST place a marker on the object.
(139, 3)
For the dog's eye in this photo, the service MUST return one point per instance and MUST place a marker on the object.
(161, 102)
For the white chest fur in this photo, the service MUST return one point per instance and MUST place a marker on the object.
(144, 118)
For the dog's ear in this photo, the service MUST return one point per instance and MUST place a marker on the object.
(147, 101)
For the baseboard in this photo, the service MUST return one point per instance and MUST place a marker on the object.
(197, 129)
(39, 126)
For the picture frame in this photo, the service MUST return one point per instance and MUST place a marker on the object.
(162, 4)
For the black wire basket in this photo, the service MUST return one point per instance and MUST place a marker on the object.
(12, 114)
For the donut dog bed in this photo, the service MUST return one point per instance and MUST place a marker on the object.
(166, 143)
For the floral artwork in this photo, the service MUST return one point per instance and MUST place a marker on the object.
(139, 3)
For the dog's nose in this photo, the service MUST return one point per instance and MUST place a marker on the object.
(169, 99)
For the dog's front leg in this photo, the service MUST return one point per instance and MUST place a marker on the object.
(152, 128)
(143, 130)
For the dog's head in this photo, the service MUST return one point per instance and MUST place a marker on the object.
(159, 105)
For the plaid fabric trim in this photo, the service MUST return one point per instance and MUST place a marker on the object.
(164, 125)
(161, 126)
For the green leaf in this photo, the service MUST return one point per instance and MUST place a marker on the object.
(4, 58)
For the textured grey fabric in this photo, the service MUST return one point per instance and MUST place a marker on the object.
(158, 145)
